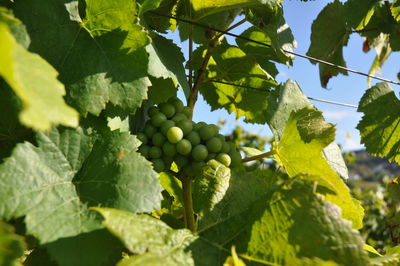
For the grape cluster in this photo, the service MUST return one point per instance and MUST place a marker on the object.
(171, 136)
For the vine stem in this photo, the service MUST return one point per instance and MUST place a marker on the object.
(258, 157)
(190, 222)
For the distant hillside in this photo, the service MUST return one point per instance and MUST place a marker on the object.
(370, 168)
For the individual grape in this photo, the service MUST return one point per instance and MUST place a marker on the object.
(177, 104)
(142, 137)
(220, 137)
(185, 125)
(198, 166)
(225, 147)
(188, 112)
(199, 152)
(158, 139)
(207, 132)
(158, 165)
(174, 134)
(158, 119)
(214, 144)
(169, 149)
(224, 158)
(178, 117)
(149, 130)
(184, 147)
(181, 161)
(167, 125)
(236, 158)
(167, 109)
(197, 126)
(152, 111)
(194, 138)
(155, 152)
(144, 150)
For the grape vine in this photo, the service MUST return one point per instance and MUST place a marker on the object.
(102, 164)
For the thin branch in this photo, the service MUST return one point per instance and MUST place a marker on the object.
(190, 222)
(286, 51)
(259, 157)
(233, 26)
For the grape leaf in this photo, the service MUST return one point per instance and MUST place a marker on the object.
(298, 153)
(12, 246)
(40, 91)
(165, 62)
(70, 170)
(290, 99)
(379, 127)
(157, 22)
(248, 96)
(268, 225)
(328, 39)
(357, 13)
(383, 51)
(202, 8)
(151, 239)
(100, 55)
(395, 8)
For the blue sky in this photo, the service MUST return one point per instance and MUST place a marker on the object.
(347, 89)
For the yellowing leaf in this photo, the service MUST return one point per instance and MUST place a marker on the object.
(35, 82)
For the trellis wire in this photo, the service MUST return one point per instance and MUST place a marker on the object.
(268, 45)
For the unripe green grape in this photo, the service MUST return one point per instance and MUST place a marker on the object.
(167, 125)
(158, 139)
(225, 147)
(149, 130)
(224, 158)
(169, 149)
(176, 103)
(167, 109)
(194, 138)
(236, 158)
(188, 112)
(199, 152)
(174, 134)
(185, 125)
(206, 132)
(158, 119)
(158, 165)
(142, 137)
(184, 147)
(197, 126)
(178, 117)
(211, 156)
(181, 161)
(152, 111)
(198, 166)
(214, 144)
(155, 152)
(144, 150)
(220, 137)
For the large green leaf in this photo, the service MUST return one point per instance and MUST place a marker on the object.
(395, 8)
(99, 53)
(248, 96)
(328, 39)
(35, 82)
(69, 170)
(154, 241)
(357, 13)
(380, 125)
(12, 246)
(267, 223)
(300, 150)
(166, 63)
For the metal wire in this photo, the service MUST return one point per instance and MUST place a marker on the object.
(268, 45)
